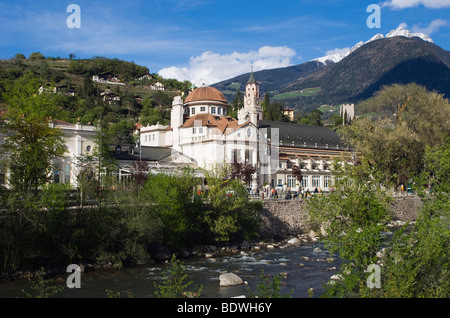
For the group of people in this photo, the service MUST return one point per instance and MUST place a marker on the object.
(288, 194)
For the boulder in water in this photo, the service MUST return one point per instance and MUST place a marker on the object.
(230, 279)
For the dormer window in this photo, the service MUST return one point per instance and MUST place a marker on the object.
(213, 110)
(118, 149)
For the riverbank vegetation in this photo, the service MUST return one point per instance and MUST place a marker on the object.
(411, 147)
(42, 229)
(105, 220)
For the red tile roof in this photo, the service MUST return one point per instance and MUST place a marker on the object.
(224, 124)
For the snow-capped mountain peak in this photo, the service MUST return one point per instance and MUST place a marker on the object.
(400, 31)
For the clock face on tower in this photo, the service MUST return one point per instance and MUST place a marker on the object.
(257, 101)
(249, 101)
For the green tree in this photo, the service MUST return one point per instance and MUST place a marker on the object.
(36, 56)
(31, 143)
(269, 287)
(273, 111)
(175, 286)
(417, 264)
(396, 144)
(176, 206)
(43, 288)
(353, 215)
(229, 214)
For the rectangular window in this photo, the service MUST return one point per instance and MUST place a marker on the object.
(203, 108)
(66, 173)
(327, 181)
(316, 181)
(291, 182)
(56, 173)
(235, 155)
(219, 110)
(213, 110)
(200, 130)
(194, 131)
(305, 182)
(192, 111)
(280, 182)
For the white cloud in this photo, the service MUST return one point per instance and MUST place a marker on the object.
(210, 67)
(402, 4)
(434, 26)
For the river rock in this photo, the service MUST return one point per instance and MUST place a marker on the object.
(294, 241)
(230, 279)
(312, 234)
(337, 277)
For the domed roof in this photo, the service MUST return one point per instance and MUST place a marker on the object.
(206, 93)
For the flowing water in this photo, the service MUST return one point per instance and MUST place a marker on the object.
(301, 268)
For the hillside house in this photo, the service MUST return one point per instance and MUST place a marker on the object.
(157, 87)
(107, 78)
(146, 76)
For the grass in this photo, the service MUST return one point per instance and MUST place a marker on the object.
(304, 92)
(327, 108)
(234, 86)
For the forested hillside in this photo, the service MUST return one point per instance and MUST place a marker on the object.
(79, 98)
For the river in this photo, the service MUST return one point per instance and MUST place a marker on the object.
(302, 267)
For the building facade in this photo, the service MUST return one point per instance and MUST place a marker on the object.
(200, 128)
(80, 143)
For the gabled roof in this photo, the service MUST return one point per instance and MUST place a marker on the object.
(224, 124)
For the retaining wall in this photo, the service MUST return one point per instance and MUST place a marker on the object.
(284, 218)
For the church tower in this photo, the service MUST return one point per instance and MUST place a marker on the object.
(252, 110)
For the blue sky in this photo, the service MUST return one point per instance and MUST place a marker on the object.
(205, 40)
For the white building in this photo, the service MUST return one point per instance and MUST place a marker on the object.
(201, 129)
(80, 142)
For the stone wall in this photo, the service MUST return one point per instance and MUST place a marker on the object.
(285, 218)
(406, 208)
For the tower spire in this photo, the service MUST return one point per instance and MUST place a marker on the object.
(251, 80)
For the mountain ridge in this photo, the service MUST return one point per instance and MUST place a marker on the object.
(400, 31)
(379, 62)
